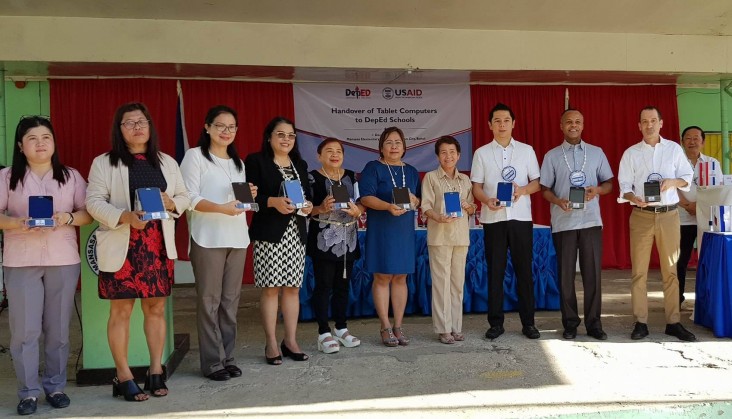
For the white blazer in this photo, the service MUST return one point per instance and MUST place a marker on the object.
(108, 195)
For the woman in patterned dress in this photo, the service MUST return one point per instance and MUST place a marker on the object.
(135, 257)
(279, 233)
(333, 246)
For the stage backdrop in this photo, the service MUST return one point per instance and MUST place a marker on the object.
(358, 114)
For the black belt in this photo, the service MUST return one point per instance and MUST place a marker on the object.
(656, 210)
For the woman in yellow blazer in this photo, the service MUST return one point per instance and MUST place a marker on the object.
(135, 257)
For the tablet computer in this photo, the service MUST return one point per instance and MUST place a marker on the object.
(340, 194)
(453, 208)
(40, 211)
(577, 197)
(243, 194)
(150, 201)
(400, 198)
(293, 190)
(505, 194)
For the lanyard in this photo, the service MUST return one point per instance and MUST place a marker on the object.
(451, 188)
(331, 180)
(404, 178)
(575, 163)
(285, 175)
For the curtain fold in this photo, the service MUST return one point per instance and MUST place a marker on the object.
(82, 112)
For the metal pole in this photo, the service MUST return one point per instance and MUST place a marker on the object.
(723, 92)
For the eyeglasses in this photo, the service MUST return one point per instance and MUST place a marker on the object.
(282, 135)
(46, 117)
(392, 143)
(144, 123)
(222, 128)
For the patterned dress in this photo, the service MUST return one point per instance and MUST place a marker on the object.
(280, 264)
(147, 271)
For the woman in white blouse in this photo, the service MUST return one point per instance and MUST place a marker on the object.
(219, 238)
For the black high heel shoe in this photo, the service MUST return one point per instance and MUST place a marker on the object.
(128, 389)
(155, 383)
(277, 360)
(299, 356)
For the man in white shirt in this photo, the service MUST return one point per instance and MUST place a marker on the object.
(507, 161)
(692, 140)
(660, 162)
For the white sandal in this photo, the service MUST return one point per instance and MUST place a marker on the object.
(346, 339)
(327, 345)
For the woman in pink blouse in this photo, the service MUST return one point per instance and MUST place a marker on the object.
(41, 264)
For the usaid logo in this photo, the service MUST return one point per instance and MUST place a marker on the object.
(358, 93)
(408, 93)
(90, 251)
(387, 93)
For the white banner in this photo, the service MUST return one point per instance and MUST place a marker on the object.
(358, 114)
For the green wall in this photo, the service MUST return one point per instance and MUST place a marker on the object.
(33, 99)
(699, 106)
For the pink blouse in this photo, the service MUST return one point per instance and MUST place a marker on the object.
(46, 247)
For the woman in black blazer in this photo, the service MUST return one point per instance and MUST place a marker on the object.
(279, 233)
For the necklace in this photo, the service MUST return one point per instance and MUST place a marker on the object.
(289, 166)
(338, 176)
(450, 187)
(228, 165)
(404, 178)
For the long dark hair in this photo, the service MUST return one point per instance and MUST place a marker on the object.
(269, 129)
(19, 167)
(120, 152)
(204, 140)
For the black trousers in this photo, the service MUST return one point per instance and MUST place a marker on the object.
(331, 290)
(589, 243)
(518, 236)
(688, 237)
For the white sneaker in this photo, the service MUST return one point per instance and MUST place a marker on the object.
(327, 345)
(346, 339)
(687, 305)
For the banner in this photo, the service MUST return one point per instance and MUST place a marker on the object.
(357, 115)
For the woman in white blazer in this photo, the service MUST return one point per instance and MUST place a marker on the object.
(135, 257)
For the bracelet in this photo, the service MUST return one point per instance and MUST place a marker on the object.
(71, 219)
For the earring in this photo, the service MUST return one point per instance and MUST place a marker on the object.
(206, 132)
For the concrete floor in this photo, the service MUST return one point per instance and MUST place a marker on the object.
(509, 377)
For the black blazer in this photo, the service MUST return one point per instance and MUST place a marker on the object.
(268, 224)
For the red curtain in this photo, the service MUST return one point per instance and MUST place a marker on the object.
(537, 110)
(256, 104)
(611, 121)
(82, 112)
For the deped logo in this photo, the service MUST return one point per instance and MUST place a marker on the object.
(358, 92)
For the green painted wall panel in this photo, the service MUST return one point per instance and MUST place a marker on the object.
(33, 99)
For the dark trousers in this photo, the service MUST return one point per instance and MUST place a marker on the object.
(329, 279)
(688, 237)
(518, 236)
(589, 243)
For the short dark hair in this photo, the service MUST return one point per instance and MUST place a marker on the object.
(568, 110)
(20, 162)
(329, 140)
(267, 133)
(386, 133)
(501, 107)
(703, 134)
(446, 139)
(650, 108)
(204, 140)
(120, 152)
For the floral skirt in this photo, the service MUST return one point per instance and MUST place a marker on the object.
(147, 271)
